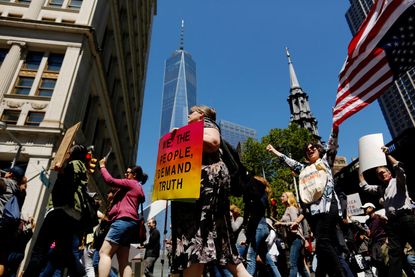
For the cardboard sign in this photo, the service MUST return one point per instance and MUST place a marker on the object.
(353, 204)
(61, 154)
(370, 153)
(179, 164)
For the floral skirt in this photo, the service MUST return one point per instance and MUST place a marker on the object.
(201, 230)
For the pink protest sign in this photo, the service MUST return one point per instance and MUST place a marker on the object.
(179, 164)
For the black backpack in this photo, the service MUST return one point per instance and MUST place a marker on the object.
(236, 169)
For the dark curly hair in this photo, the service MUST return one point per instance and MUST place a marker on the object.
(139, 174)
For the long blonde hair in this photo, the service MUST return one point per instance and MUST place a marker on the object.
(291, 199)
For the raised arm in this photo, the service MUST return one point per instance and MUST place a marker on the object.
(374, 189)
(399, 172)
(332, 146)
(293, 164)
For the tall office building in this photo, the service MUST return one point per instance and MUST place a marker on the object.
(235, 134)
(357, 12)
(179, 93)
(69, 61)
(398, 102)
(298, 101)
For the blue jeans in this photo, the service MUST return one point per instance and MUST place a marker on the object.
(55, 265)
(122, 231)
(411, 262)
(261, 234)
(221, 271)
(296, 259)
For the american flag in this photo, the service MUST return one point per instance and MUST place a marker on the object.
(382, 49)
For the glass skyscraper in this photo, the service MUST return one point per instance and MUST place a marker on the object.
(235, 133)
(179, 93)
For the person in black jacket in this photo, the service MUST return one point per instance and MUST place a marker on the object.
(152, 248)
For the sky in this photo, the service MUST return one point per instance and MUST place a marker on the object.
(242, 69)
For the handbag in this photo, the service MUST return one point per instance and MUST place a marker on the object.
(312, 181)
(141, 232)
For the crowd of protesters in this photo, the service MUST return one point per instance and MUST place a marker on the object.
(210, 237)
(70, 242)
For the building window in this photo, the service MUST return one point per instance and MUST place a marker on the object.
(24, 1)
(55, 3)
(68, 21)
(32, 61)
(46, 87)
(34, 118)
(75, 4)
(54, 62)
(15, 15)
(10, 116)
(23, 85)
(41, 71)
(49, 19)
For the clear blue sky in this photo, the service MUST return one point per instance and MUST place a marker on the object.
(242, 70)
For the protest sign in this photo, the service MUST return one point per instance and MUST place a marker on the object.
(370, 152)
(179, 164)
(353, 204)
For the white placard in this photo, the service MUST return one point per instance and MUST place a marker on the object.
(353, 204)
(370, 152)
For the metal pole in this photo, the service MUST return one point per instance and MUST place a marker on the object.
(164, 237)
(19, 149)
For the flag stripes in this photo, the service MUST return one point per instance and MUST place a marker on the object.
(366, 73)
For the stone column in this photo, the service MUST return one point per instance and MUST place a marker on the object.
(9, 65)
(63, 89)
(34, 9)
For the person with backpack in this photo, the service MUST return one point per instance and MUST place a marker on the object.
(63, 224)
(256, 198)
(316, 187)
(123, 217)
(201, 230)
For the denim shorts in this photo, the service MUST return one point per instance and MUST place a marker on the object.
(122, 231)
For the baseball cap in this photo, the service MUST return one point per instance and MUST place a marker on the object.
(367, 205)
(17, 171)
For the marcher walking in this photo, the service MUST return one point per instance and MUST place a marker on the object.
(124, 218)
(295, 238)
(201, 230)
(398, 208)
(152, 248)
(324, 208)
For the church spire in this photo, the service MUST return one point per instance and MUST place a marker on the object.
(182, 36)
(293, 77)
(298, 102)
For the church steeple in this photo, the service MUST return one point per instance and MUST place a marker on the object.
(293, 77)
(298, 102)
